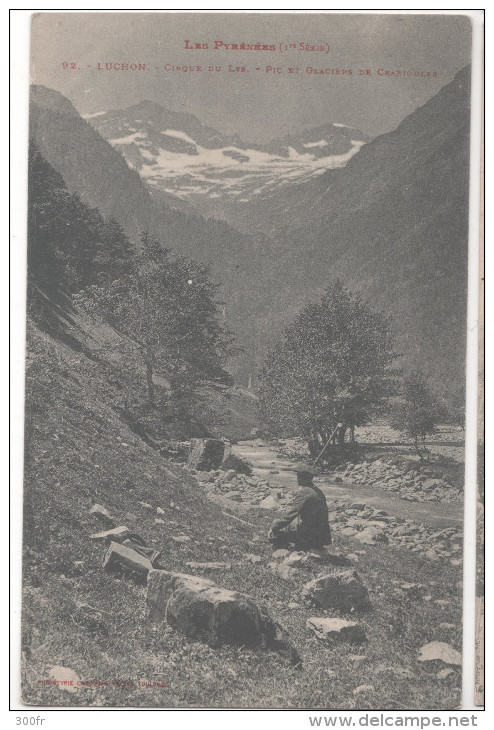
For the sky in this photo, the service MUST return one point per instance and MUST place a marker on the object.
(258, 103)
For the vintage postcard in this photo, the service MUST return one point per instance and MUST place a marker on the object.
(248, 249)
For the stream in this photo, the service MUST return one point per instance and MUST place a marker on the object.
(265, 459)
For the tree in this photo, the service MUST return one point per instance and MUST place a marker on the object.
(166, 308)
(330, 373)
(70, 246)
(418, 413)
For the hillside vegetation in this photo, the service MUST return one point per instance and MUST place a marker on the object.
(79, 452)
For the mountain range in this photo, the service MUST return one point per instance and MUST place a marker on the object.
(177, 155)
(388, 216)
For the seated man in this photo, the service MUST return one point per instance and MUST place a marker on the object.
(306, 523)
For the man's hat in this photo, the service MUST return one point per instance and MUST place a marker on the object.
(302, 468)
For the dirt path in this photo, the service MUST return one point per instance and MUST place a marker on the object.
(270, 465)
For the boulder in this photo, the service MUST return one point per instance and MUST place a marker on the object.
(206, 454)
(336, 629)
(239, 465)
(118, 534)
(440, 651)
(102, 513)
(124, 559)
(148, 552)
(161, 584)
(269, 502)
(204, 611)
(342, 590)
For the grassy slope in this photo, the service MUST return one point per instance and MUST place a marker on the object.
(79, 452)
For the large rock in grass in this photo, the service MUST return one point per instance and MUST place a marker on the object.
(440, 651)
(204, 611)
(340, 589)
(206, 454)
(239, 465)
(123, 559)
(336, 629)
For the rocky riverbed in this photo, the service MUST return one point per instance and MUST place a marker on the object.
(407, 477)
(348, 518)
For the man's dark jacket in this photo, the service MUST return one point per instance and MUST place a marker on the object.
(306, 522)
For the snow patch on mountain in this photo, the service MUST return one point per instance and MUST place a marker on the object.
(174, 153)
(229, 169)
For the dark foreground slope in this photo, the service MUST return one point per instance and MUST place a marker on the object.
(79, 452)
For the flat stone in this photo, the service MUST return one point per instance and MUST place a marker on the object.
(209, 566)
(149, 552)
(67, 680)
(123, 559)
(400, 672)
(283, 571)
(445, 673)
(439, 651)
(363, 689)
(251, 558)
(295, 560)
(280, 554)
(117, 534)
(414, 591)
(180, 538)
(328, 556)
(336, 629)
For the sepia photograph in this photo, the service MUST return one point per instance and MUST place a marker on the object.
(248, 245)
